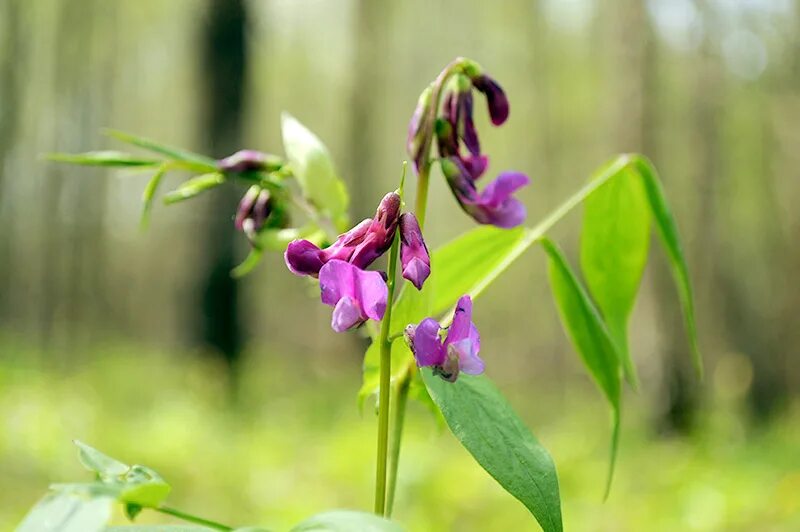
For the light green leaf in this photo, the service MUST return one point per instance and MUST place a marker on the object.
(614, 244)
(313, 168)
(158, 528)
(668, 232)
(589, 335)
(103, 465)
(194, 186)
(150, 193)
(346, 521)
(144, 487)
(102, 158)
(199, 163)
(67, 512)
(487, 426)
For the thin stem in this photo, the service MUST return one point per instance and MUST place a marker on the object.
(422, 193)
(192, 518)
(385, 383)
(398, 418)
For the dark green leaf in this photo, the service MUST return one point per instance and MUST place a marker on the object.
(313, 168)
(487, 426)
(103, 465)
(200, 163)
(668, 232)
(589, 336)
(132, 510)
(194, 186)
(346, 521)
(614, 244)
(102, 158)
(67, 512)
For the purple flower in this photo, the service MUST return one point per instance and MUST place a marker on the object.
(254, 208)
(414, 256)
(458, 352)
(420, 130)
(355, 295)
(495, 205)
(496, 99)
(248, 160)
(359, 246)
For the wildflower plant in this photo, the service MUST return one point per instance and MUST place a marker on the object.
(424, 343)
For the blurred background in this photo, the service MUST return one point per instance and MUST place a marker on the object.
(238, 392)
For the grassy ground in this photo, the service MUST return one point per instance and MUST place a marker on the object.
(295, 444)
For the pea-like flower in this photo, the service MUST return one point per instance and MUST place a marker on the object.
(355, 295)
(359, 246)
(495, 205)
(249, 160)
(420, 129)
(457, 353)
(254, 209)
(414, 256)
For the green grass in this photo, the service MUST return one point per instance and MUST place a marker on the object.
(295, 444)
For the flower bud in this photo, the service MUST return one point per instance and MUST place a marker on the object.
(495, 98)
(414, 258)
(249, 160)
(420, 129)
(254, 208)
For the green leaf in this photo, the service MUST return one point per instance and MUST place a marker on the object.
(346, 521)
(200, 163)
(614, 244)
(589, 335)
(194, 186)
(144, 487)
(668, 233)
(487, 426)
(158, 528)
(102, 158)
(67, 512)
(150, 192)
(103, 465)
(313, 168)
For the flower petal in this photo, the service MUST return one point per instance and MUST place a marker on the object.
(426, 344)
(346, 314)
(462, 320)
(303, 258)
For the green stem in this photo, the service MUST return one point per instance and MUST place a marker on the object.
(192, 518)
(422, 193)
(385, 383)
(398, 418)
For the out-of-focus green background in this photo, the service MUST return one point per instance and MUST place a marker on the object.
(240, 394)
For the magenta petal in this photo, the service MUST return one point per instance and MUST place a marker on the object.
(426, 344)
(462, 321)
(496, 99)
(468, 360)
(346, 314)
(416, 271)
(303, 258)
(503, 210)
(340, 280)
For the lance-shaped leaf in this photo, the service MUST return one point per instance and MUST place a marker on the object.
(346, 521)
(100, 463)
(313, 168)
(487, 426)
(102, 158)
(198, 162)
(68, 512)
(149, 194)
(614, 245)
(589, 335)
(668, 233)
(194, 186)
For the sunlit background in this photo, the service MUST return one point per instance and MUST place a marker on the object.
(239, 393)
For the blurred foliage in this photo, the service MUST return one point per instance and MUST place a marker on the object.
(286, 449)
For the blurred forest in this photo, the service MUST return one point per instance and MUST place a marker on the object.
(708, 89)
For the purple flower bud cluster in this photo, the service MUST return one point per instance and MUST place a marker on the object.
(454, 128)
(249, 161)
(254, 209)
(356, 294)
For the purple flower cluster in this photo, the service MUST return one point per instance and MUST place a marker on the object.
(356, 294)
(453, 127)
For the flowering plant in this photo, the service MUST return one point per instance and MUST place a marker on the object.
(425, 345)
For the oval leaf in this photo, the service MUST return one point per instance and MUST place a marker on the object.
(346, 521)
(67, 512)
(486, 425)
(313, 168)
(103, 465)
(614, 245)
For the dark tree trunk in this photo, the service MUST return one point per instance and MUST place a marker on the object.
(224, 49)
